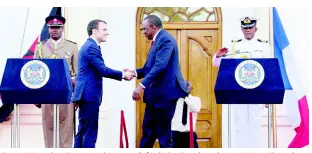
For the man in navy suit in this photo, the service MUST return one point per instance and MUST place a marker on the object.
(88, 90)
(162, 83)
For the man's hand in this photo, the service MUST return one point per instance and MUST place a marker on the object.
(189, 86)
(222, 51)
(128, 74)
(137, 92)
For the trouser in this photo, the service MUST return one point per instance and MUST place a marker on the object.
(182, 139)
(157, 124)
(88, 115)
(247, 120)
(66, 124)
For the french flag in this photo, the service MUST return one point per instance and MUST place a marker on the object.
(295, 95)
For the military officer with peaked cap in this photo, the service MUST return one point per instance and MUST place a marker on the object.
(247, 117)
(56, 47)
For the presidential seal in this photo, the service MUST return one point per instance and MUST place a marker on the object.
(249, 74)
(35, 74)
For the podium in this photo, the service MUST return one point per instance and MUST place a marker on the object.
(36, 81)
(249, 81)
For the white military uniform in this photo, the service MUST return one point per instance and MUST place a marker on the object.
(247, 117)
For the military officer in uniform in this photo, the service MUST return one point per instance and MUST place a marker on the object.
(247, 117)
(56, 47)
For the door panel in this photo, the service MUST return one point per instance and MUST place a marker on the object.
(197, 48)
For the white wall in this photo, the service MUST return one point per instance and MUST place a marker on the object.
(119, 51)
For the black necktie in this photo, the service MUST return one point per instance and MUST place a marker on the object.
(100, 47)
(184, 115)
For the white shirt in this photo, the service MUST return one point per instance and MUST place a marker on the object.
(243, 48)
(155, 36)
(194, 106)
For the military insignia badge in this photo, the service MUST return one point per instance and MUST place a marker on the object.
(67, 55)
(249, 74)
(247, 21)
(35, 74)
(244, 56)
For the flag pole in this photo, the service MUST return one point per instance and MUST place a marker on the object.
(66, 25)
(17, 127)
(273, 108)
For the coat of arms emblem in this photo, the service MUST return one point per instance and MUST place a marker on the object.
(35, 74)
(249, 74)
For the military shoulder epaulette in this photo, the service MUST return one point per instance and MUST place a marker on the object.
(236, 40)
(42, 41)
(71, 41)
(263, 41)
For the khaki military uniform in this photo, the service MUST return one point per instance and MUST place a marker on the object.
(247, 117)
(68, 50)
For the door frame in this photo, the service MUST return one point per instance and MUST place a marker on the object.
(215, 25)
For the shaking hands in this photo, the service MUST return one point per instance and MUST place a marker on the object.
(129, 74)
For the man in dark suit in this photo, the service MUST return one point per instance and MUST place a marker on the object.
(162, 83)
(88, 89)
(5, 111)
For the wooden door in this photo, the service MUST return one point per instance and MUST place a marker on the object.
(196, 48)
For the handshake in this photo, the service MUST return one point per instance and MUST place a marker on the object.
(128, 74)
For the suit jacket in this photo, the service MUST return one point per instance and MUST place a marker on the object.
(163, 79)
(91, 69)
(5, 110)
